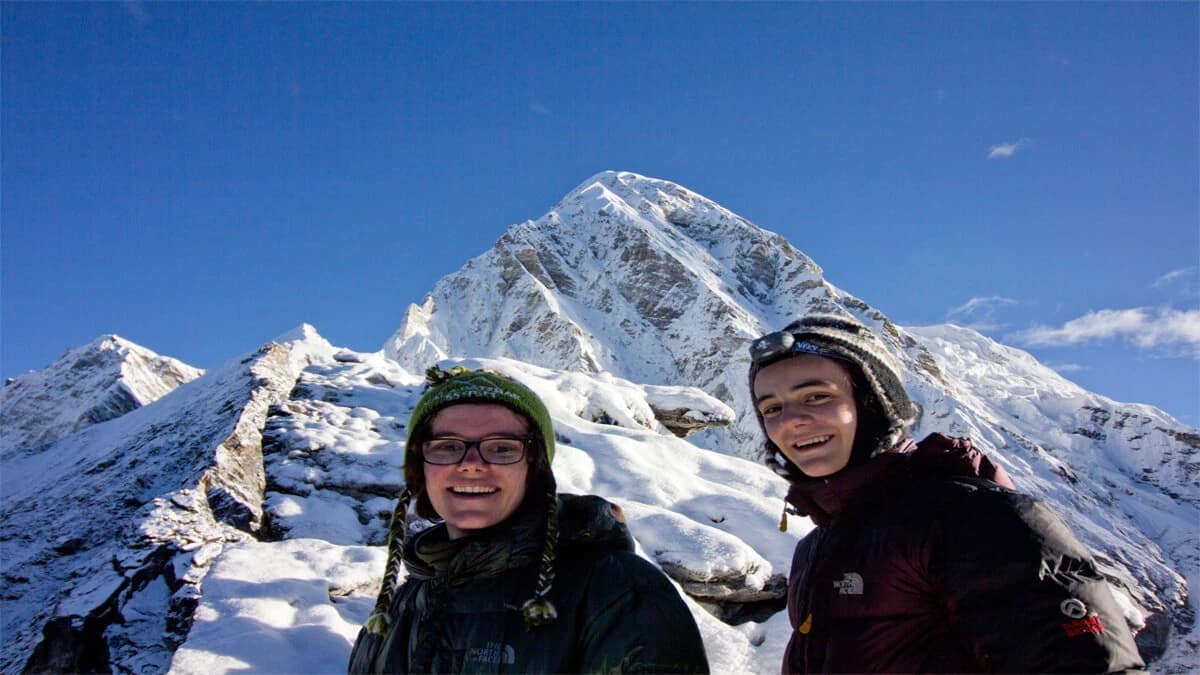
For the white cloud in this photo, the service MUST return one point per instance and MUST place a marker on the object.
(138, 11)
(1009, 149)
(1153, 328)
(981, 303)
(1059, 59)
(538, 109)
(979, 313)
(1065, 367)
(1173, 276)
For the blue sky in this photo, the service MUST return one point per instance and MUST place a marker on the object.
(200, 178)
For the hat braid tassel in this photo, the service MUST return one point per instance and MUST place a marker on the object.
(379, 621)
(538, 610)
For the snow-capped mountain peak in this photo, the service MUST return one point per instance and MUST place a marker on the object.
(99, 381)
(630, 275)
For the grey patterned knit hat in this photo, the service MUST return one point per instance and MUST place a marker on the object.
(443, 389)
(873, 371)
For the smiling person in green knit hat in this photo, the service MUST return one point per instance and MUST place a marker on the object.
(513, 577)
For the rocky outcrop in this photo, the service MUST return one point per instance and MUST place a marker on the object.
(684, 421)
(684, 410)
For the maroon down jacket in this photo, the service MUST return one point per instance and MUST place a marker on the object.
(925, 560)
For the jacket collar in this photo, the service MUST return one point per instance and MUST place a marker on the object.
(826, 499)
(512, 543)
(584, 522)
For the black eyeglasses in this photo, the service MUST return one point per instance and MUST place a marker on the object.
(495, 450)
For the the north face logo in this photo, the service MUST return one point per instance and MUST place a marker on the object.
(494, 652)
(851, 584)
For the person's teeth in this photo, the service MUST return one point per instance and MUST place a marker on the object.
(815, 441)
(474, 490)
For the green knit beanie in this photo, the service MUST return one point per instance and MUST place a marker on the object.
(459, 385)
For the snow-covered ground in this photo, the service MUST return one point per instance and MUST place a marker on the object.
(295, 606)
(331, 452)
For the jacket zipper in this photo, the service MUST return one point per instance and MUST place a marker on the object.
(810, 591)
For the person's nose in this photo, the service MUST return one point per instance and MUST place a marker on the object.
(796, 416)
(473, 460)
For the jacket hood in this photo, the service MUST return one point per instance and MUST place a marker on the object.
(591, 522)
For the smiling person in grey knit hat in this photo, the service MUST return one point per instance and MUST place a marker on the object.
(924, 558)
(513, 577)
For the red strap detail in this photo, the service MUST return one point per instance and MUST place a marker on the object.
(1091, 624)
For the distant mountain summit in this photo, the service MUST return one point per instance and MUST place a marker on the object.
(94, 383)
(617, 277)
(649, 281)
(634, 276)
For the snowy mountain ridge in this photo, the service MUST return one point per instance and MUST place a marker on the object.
(100, 381)
(237, 522)
(282, 465)
(92, 521)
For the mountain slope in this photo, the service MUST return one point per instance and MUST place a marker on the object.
(640, 278)
(88, 385)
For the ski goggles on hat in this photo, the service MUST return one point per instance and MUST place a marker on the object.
(774, 346)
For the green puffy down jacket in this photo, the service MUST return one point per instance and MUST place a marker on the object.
(458, 608)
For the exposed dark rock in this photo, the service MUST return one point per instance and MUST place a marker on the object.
(727, 588)
(683, 421)
(71, 645)
(737, 613)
